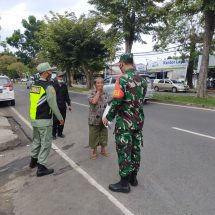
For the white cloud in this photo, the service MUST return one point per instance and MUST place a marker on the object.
(11, 19)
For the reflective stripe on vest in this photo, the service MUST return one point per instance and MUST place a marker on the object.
(37, 97)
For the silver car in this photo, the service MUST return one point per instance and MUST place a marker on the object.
(170, 85)
(109, 84)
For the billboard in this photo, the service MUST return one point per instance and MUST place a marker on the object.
(167, 65)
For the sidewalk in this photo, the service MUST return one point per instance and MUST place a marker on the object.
(8, 139)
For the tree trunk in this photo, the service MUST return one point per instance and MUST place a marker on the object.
(68, 73)
(189, 75)
(89, 76)
(190, 67)
(128, 45)
(209, 31)
(130, 29)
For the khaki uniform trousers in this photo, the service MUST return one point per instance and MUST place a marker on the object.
(41, 145)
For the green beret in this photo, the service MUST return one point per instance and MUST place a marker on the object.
(126, 58)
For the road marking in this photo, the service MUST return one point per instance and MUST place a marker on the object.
(195, 133)
(21, 117)
(80, 104)
(196, 108)
(189, 107)
(92, 181)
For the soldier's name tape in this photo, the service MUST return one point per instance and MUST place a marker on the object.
(77, 168)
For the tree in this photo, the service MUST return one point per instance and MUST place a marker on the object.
(27, 43)
(208, 9)
(5, 61)
(72, 43)
(183, 29)
(55, 41)
(129, 19)
(17, 69)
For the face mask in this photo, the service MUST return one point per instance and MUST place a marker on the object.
(60, 81)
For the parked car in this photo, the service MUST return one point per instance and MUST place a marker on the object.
(24, 80)
(6, 90)
(170, 85)
(109, 84)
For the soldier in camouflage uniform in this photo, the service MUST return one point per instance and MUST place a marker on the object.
(127, 107)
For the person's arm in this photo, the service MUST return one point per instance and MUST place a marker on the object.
(68, 101)
(116, 102)
(94, 97)
(51, 99)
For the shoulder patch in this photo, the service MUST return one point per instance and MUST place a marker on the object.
(35, 89)
(118, 93)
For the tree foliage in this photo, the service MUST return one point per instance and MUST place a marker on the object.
(129, 19)
(17, 69)
(5, 61)
(11, 67)
(73, 43)
(189, 24)
(27, 43)
(182, 29)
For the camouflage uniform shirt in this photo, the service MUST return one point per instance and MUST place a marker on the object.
(129, 109)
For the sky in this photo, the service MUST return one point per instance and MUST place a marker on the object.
(13, 11)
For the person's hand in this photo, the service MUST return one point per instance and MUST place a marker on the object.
(70, 108)
(98, 92)
(62, 122)
(105, 121)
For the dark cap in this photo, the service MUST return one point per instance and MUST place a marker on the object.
(60, 73)
(127, 58)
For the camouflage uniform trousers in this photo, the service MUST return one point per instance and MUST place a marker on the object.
(128, 150)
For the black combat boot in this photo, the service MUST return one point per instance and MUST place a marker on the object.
(43, 170)
(33, 163)
(122, 186)
(133, 179)
(61, 135)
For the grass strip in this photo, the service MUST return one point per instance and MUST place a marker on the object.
(208, 102)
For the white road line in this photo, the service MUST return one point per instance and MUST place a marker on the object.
(79, 104)
(189, 107)
(195, 133)
(92, 181)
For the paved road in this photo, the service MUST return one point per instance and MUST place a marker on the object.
(178, 167)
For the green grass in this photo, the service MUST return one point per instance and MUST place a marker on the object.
(78, 89)
(208, 102)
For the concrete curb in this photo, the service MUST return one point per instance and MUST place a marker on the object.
(8, 139)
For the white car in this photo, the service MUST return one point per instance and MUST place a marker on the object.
(6, 90)
(109, 84)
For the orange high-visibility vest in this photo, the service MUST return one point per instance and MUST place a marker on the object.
(118, 93)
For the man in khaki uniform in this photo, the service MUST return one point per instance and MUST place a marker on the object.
(42, 106)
